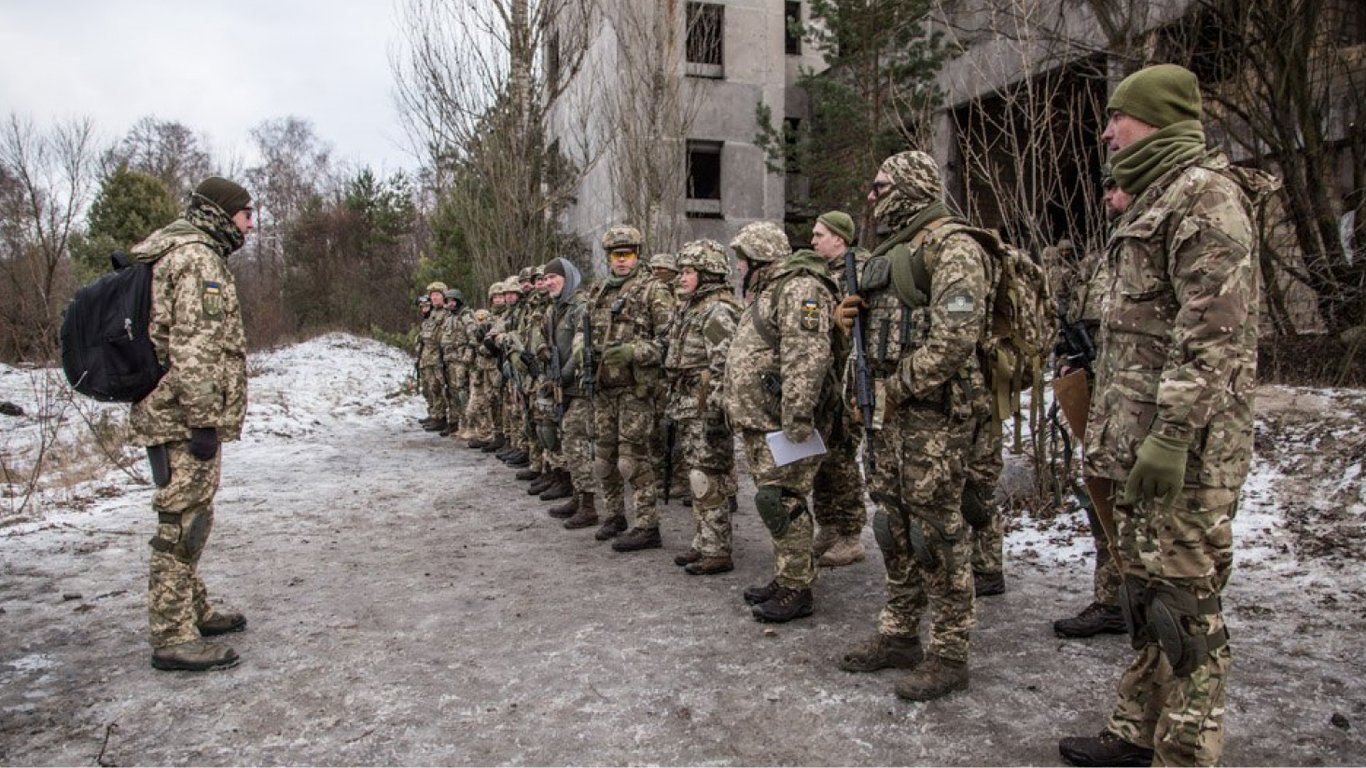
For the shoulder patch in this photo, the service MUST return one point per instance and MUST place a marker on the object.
(811, 315)
(959, 305)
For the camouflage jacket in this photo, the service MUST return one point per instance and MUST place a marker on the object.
(699, 340)
(196, 327)
(924, 341)
(1179, 332)
(561, 330)
(429, 337)
(636, 312)
(455, 346)
(784, 333)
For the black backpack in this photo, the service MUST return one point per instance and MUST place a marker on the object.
(107, 351)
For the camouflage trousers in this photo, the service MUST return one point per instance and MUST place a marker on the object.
(1105, 580)
(434, 390)
(457, 395)
(982, 467)
(794, 564)
(176, 597)
(625, 434)
(711, 478)
(515, 424)
(918, 487)
(1189, 546)
(483, 414)
(837, 496)
(576, 443)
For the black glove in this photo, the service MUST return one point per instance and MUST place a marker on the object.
(714, 427)
(203, 443)
(528, 359)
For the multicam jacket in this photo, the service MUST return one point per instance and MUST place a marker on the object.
(699, 340)
(784, 338)
(635, 312)
(429, 338)
(1179, 333)
(196, 327)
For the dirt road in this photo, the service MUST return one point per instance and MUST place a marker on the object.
(409, 604)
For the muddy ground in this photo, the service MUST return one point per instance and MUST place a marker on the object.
(409, 604)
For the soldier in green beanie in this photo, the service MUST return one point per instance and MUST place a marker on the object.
(1169, 436)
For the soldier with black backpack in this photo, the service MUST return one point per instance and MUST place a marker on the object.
(200, 401)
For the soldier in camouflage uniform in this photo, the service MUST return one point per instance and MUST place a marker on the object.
(986, 524)
(454, 352)
(927, 290)
(482, 412)
(564, 411)
(1170, 425)
(779, 378)
(837, 501)
(196, 328)
(630, 312)
(1081, 302)
(699, 340)
(508, 337)
(532, 457)
(664, 270)
(430, 361)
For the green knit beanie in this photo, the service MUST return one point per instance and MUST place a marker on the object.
(840, 224)
(228, 195)
(1159, 95)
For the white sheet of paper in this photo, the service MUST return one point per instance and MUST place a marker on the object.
(785, 451)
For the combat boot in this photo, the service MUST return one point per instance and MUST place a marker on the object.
(567, 509)
(785, 605)
(846, 550)
(611, 528)
(425, 420)
(221, 623)
(478, 443)
(1105, 749)
(194, 656)
(435, 426)
(687, 558)
(562, 488)
(882, 652)
(708, 566)
(756, 595)
(530, 473)
(520, 461)
(498, 443)
(988, 584)
(543, 482)
(1096, 619)
(935, 677)
(447, 430)
(637, 539)
(505, 453)
(824, 539)
(585, 513)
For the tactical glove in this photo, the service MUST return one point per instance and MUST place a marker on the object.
(619, 356)
(847, 311)
(203, 443)
(1159, 470)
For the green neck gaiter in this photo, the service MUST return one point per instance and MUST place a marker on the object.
(1148, 159)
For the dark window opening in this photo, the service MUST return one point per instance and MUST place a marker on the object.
(704, 179)
(792, 29)
(791, 131)
(705, 25)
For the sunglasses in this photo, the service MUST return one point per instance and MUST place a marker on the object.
(878, 188)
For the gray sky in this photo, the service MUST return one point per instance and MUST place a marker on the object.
(220, 68)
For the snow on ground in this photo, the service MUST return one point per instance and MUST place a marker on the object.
(330, 457)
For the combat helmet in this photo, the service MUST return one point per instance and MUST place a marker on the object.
(664, 261)
(761, 242)
(513, 285)
(705, 256)
(621, 236)
(495, 288)
(455, 294)
(436, 285)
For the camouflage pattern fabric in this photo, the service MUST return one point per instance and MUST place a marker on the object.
(1178, 358)
(837, 498)
(625, 437)
(196, 327)
(433, 380)
(456, 349)
(916, 184)
(982, 468)
(176, 597)
(699, 340)
(794, 564)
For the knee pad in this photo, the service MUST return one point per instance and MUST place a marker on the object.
(977, 506)
(1133, 604)
(768, 500)
(1171, 611)
(915, 536)
(705, 491)
(181, 535)
(626, 466)
(603, 469)
(882, 533)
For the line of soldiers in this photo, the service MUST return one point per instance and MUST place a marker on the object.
(647, 375)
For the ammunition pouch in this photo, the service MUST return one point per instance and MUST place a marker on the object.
(877, 273)
(1133, 604)
(1171, 611)
(768, 500)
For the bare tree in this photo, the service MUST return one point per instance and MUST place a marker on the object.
(478, 83)
(46, 180)
(166, 149)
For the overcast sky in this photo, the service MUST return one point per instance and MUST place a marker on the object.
(219, 68)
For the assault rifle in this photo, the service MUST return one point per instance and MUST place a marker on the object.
(590, 378)
(863, 379)
(556, 367)
(670, 437)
